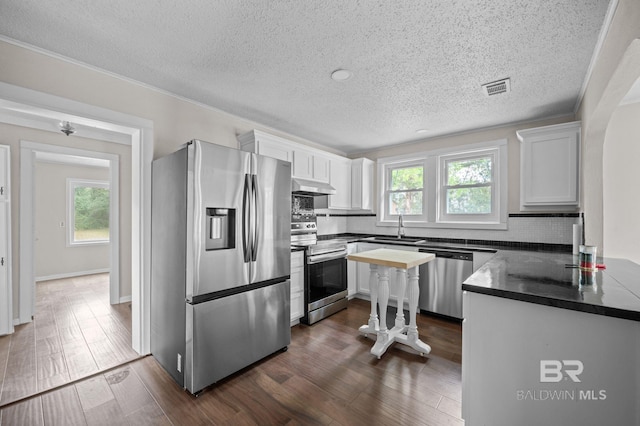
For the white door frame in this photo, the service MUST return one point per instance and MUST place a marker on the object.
(6, 311)
(30, 108)
(27, 220)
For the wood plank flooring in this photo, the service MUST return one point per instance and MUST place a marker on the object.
(75, 333)
(327, 377)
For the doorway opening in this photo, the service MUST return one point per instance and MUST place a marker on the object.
(38, 110)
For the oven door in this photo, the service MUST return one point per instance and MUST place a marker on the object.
(326, 280)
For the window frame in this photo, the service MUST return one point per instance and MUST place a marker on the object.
(443, 160)
(434, 193)
(72, 184)
(385, 204)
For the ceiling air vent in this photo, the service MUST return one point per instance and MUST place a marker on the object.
(497, 87)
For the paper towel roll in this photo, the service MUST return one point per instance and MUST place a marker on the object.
(577, 238)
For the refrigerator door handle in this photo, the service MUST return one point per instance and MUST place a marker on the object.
(256, 218)
(246, 219)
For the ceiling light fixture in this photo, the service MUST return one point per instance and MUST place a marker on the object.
(67, 128)
(341, 75)
(421, 131)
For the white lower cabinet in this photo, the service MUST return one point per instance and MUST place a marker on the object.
(519, 356)
(297, 286)
(352, 271)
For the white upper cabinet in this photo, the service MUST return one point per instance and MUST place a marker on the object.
(321, 168)
(362, 170)
(310, 165)
(266, 144)
(352, 179)
(307, 163)
(550, 167)
(302, 164)
(340, 179)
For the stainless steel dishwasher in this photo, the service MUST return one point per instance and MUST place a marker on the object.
(441, 281)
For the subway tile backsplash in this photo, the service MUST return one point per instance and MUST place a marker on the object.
(536, 228)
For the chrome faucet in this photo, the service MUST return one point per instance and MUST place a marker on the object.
(400, 227)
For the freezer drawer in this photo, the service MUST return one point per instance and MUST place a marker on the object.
(227, 334)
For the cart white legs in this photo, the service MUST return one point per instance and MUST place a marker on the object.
(401, 332)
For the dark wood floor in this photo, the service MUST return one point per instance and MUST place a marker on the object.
(75, 333)
(326, 377)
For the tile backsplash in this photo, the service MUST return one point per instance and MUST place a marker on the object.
(549, 229)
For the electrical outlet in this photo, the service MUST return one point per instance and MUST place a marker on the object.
(179, 363)
(61, 224)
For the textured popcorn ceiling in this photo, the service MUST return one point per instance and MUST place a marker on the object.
(416, 64)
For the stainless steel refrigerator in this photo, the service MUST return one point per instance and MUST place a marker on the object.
(220, 261)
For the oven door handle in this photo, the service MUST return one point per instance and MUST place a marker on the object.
(318, 258)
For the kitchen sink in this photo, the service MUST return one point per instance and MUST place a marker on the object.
(396, 240)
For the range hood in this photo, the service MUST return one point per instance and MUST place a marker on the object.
(311, 187)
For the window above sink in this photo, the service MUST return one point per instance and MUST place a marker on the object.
(460, 187)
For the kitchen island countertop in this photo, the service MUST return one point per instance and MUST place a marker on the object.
(543, 278)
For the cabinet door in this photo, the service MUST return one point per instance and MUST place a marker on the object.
(341, 181)
(362, 184)
(297, 285)
(321, 168)
(549, 169)
(274, 150)
(363, 270)
(302, 164)
(297, 297)
(352, 271)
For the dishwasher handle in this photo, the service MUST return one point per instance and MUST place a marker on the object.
(450, 254)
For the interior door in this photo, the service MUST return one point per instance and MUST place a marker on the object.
(272, 257)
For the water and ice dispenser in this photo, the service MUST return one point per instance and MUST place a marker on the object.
(220, 232)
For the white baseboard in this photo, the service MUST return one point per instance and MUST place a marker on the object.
(72, 274)
(125, 299)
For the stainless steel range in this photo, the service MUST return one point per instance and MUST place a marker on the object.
(325, 264)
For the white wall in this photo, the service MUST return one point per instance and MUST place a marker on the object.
(175, 121)
(620, 195)
(53, 257)
(504, 132)
(616, 69)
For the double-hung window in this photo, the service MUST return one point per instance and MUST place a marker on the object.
(458, 187)
(468, 190)
(88, 211)
(405, 191)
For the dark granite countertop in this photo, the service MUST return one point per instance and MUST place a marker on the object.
(451, 243)
(536, 273)
(542, 278)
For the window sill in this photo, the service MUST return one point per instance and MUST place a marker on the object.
(88, 243)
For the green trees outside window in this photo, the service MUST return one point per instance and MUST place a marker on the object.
(405, 190)
(469, 185)
(90, 213)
